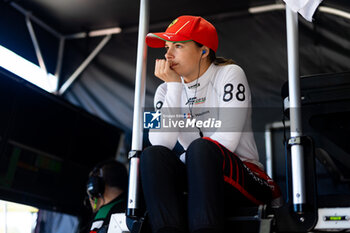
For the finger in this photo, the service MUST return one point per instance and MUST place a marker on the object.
(159, 68)
(162, 63)
(156, 68)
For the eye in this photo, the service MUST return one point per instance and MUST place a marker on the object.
(178, 46)
(166, 48)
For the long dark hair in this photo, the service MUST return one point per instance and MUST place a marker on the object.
(219, 61)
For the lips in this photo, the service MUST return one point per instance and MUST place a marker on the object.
(173, 65)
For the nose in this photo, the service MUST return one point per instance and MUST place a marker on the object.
(169, 54)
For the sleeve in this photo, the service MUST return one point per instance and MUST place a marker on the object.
(234, 102)
(166, 99)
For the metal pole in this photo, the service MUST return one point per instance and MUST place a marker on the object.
(297, 155)
(36, 45)
(268, 149)
(85, 63)
(5, 216)
(95, 33)
(137, 132)
(59, 61)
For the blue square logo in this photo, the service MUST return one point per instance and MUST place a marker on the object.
(151, 120)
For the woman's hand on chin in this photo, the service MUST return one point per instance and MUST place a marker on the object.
(164, 71)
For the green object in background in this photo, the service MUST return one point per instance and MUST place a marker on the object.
(7, 179)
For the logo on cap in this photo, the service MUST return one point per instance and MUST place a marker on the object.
(172, 23)
(169, 37)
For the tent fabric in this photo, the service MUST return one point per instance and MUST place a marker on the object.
(72, 16)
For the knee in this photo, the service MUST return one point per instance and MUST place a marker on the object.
(197, 149)
(203, 159)
(198, 143)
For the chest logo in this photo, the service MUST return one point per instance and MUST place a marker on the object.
(195, 100)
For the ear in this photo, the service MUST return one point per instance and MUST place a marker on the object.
(204, 51)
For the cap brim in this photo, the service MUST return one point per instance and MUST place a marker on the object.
(157, 40)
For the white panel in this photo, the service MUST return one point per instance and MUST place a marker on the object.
(118, 224)
(334, 213)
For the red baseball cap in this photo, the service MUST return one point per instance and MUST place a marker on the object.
(183, 29)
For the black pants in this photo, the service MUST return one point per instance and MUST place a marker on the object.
(196, 196)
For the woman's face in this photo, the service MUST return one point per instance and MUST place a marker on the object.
(184, 58)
